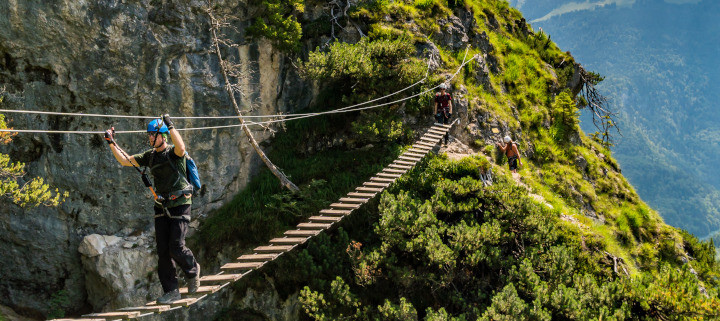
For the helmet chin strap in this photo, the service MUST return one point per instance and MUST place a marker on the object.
(154, 144)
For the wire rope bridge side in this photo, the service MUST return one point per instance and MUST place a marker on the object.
(315, 225)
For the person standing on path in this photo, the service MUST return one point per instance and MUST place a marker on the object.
(443, 107)
(173, 199)
(512, 153)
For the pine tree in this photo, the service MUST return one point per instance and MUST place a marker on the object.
(565, 113)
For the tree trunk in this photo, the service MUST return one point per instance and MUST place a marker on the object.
(283, 179)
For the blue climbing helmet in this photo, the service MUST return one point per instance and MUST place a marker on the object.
(156, 124)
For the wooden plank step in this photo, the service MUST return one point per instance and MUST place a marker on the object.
(369, 189)
(362, 195)
(380, 179)
(403, 163)
(428, 139)
(343, 205)
(376, 184)
(302, 232)
(146, 309)
(288, 240)
(417, 151)
(434, 136)
(207, 289)
(83, 319)
(257, 257)
(220, 278)
(400, 166)
(125, 315)
(423, 143)
(436, 131)
(274, 249)
(335, 212)
(391, 170)
(241, 266)
(353, 200)
(414, 154)
(312, 226)
(415, 159)
(422, 147)
(325, 218)
(388, 175)
(184, 302)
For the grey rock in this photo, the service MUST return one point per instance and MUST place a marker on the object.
(482, 74)
(430, 52)
(119, 277)
(92, 245)
(452, 33)
(575, 83)
(581, 163)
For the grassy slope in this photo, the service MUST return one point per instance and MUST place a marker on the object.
(343, 271)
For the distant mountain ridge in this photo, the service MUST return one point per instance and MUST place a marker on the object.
(660, 60)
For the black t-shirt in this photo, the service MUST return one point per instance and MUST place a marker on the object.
(166, 178)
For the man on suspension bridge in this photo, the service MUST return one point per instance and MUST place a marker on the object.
(173, 199)
(443, 107)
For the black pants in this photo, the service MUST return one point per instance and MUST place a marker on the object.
(443, 118)
(512, 162)
(170, 240)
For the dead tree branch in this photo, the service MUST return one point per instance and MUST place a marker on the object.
(234, 70)
(604, 118)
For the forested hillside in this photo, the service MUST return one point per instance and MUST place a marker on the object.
(660, 61)
(569, 239)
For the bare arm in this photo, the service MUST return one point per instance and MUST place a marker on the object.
(517, 153)
(122, 157)
(175, 136)
(178, 142)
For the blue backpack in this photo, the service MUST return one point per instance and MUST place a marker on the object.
(193, 177)
(191, 171)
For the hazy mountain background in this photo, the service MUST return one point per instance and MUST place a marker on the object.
(660, 59)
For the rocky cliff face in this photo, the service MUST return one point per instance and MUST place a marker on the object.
(115, 57)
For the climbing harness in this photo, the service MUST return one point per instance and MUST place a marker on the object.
(159, 128)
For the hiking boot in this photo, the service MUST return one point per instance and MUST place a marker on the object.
(169, 297)
(194, 283)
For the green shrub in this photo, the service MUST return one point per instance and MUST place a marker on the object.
(565, 115)
(58, 303)
(278, 23)
(366, 69)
